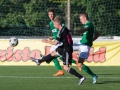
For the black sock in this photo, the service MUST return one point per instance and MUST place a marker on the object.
(41, 60)
(73, 72)
(47, 58)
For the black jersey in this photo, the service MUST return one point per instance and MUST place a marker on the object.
(65, 37)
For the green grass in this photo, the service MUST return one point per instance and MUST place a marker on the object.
(40, 78)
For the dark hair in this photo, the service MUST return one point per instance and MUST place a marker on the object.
(84, 14)
(51, 10)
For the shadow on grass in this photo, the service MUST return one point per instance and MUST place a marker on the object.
(106, 82)
(109, 74)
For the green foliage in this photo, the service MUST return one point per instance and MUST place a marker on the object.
(105, 14)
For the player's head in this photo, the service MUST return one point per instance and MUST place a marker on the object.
(57, 22)
(51, 14)
(83, 18)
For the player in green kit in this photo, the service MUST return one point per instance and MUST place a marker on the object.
(85, 43)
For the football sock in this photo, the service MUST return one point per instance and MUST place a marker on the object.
(57, 64)
(61, 58)
(87, 70)
(73, 72)
(41, 60)
(73, 61)
(47, 58)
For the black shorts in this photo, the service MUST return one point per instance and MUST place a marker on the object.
(67, 56)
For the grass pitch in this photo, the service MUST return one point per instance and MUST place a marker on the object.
(40, 78)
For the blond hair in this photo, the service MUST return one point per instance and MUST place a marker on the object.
(58, 19)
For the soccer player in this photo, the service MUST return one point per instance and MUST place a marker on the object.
(85, 43)
(65, 50)
(54, 30)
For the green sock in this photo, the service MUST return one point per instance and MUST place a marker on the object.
(57, 64)
(87, 70)
(73, 61)
(61, 58)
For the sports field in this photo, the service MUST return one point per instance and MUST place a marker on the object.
(40, 78)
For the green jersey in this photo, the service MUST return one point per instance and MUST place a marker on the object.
(87, 37)
(54, 30)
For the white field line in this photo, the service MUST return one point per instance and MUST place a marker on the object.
(51, 77)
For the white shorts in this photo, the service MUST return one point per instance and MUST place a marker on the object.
(82, 48)
(53, 47)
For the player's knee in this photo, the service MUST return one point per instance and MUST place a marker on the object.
(53, 53)
(80, 65)
(84, 67)
(59, 59)
(81, 60)
(55, 61)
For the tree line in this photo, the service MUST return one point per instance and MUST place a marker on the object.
(32, 14)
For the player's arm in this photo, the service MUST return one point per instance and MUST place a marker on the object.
(50, 42)
(53, 42)
(79, 31)
(51, 38)
(96, 35)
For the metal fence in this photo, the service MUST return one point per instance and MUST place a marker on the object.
(29, 17)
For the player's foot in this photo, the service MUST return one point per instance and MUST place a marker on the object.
(81, 80)
(94, 78)
(59, 73)
(35, 60)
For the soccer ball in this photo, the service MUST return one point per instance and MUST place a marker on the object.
(13, 41)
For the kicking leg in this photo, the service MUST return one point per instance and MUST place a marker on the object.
(47, 58)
